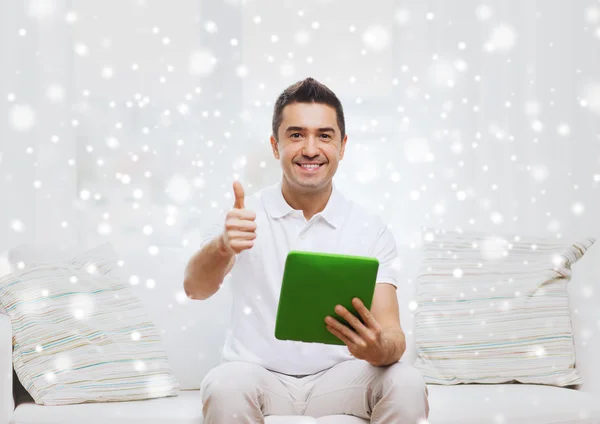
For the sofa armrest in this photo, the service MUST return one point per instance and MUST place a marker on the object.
(7, 404)
(587, 348)
(584, 296)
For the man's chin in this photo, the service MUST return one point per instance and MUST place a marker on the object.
(309, 184)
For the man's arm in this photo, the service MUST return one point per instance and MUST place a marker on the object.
(378, 343)
(206, 270)
(380, 340)
(386, 312)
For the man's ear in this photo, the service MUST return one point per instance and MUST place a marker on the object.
(343, 146)
(275, 147)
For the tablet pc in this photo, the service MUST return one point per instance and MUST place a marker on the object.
(313, 284)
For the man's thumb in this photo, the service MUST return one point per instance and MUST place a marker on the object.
(238, 191)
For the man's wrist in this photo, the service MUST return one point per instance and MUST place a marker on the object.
(391, 348)
(222, 246)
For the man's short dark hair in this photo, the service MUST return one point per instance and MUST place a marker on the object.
(308, 90)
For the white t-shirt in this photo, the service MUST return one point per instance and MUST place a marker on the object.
(342, 227)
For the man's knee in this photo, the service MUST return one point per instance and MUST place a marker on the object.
(406, 383)
(402, 375)
(231, 379)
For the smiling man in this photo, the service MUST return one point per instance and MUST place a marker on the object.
(261, 375)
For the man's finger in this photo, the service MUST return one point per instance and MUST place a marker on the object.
(351, 319)
(238, 191)
(245, 214)
(241, 235)
(240, 224)
(364, 312)
(345, 331)
(340, 336)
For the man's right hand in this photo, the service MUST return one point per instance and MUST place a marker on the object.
(240, 226)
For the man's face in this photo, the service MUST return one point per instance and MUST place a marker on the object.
(309, 135)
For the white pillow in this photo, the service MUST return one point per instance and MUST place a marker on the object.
(80, 334)
(30, 254)
(495, 309)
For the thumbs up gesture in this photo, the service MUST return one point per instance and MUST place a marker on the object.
(240, 226)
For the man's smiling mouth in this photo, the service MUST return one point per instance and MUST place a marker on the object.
(310, 166)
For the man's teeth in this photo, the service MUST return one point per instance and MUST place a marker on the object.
(310, 166)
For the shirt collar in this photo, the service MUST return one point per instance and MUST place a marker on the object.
(333, 213)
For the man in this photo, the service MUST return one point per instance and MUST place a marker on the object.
(261, 375)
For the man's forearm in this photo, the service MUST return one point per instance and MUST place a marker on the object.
(394, 343)
(206, 270)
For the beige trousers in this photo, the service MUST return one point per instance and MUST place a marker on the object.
(245, 393)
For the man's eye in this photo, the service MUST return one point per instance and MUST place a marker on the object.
(294, 134)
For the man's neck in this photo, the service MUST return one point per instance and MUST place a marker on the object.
(310, 203)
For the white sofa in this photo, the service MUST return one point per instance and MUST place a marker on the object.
(194, 331)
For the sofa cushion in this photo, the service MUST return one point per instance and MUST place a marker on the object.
(495, 309)
(186, 408)
(460, 404)
(510, 404)
(80, 335)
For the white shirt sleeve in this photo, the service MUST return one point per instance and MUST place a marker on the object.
(213, 230)
(384, 250)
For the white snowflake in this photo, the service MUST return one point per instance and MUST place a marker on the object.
(17, 226)
(402, 16)
(497, 218)
(181, 297)
(211, 27)
(539, 173)
(484, 12)
(416, 150)
(563, 129)
(592, 14)
(493, 248)
(81, 49)
(178, 188)
(242, 71)
(63, 361)
(376, 37)
(442, 72)
(591, 97)
(22, 117)
(55, 92)
(578, 208)
(503, 38)
(41, 9)
(107, 72)
(201, 62)
(82, 306)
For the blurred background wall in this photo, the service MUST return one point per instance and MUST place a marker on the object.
(127, 121)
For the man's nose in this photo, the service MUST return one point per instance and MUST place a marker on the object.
(311, 147)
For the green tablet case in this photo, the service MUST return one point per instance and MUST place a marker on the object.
(313, 284)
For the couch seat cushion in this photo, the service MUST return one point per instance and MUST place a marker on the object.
(510, 403)
(460, 404)
(186, 408)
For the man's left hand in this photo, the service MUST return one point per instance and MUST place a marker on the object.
(364, 341)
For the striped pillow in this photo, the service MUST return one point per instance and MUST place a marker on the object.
(493, 309)
(80, 334)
